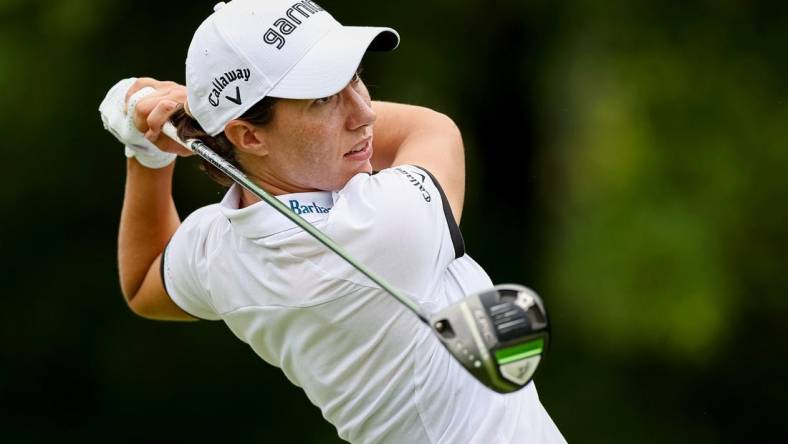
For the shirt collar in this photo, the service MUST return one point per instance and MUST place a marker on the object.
(260, 219)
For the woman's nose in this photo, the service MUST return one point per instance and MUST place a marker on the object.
(361, 112)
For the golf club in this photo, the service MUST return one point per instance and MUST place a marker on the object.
(499, 335)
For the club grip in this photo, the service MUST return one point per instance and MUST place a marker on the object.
(169, 130)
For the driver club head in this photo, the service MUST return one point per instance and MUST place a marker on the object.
(499, 335)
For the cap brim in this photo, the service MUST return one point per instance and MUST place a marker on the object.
(329, 65)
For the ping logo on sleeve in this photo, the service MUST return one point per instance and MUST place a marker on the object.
(416, 182)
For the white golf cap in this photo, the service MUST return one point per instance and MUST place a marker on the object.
(250, 49)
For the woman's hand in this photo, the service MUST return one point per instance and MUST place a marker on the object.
(155, 109)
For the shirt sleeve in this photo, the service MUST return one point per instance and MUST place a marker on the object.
(184, 265)
(399, 223)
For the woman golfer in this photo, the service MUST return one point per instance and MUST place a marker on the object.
(272, 86)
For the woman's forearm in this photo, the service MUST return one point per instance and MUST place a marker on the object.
(398, 124)
(422, 137)
(147, 222)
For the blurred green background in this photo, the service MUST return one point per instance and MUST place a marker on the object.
(626, 159)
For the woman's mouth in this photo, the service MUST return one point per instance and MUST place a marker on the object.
(362, 151)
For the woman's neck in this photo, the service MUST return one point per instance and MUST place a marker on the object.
(249, 198)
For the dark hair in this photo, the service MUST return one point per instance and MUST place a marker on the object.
(260, 114)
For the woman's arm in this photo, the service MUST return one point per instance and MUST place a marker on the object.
(407, 134)
(147, 222)
(149, 218)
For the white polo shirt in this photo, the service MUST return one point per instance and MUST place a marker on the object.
(376, 372)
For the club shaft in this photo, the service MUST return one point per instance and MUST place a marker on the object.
(198, 147)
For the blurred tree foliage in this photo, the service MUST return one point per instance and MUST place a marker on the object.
(668, 129)
(626, 159)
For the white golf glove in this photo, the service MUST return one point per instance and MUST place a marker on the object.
(119, 121)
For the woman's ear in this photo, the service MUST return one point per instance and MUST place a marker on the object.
(246, 137)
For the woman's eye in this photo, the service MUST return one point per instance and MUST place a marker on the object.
(356, 78)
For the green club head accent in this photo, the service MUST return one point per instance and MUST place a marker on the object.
(520, 351)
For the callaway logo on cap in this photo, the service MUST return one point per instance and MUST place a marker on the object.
(250, 49)
(219, 83)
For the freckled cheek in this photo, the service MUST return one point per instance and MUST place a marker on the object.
(315, 148)
(327, 141)
(317, 157)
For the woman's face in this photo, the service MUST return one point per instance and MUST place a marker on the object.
(318, 144)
